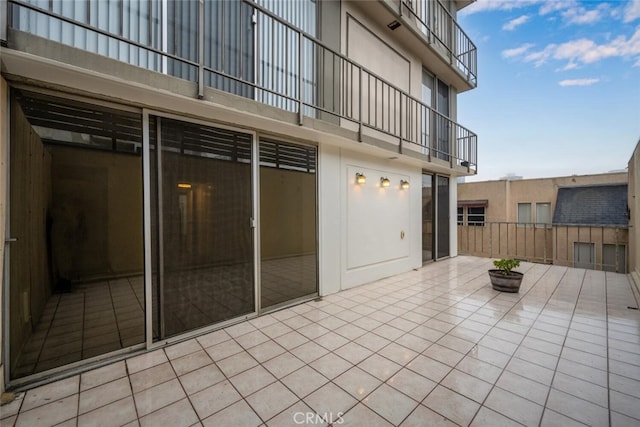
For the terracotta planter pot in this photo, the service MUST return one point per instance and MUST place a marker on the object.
(505, 282)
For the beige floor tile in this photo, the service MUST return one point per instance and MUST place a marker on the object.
(240, 329)
(50, 392)
(390, 403)
(304, 381)
(309, 352)
(238, 414)
(625, 404)
(545, 360)
(291, 340)
(271, 400)
(582, 389)
(530, 370)
(523, 387)
(201, 378)
(265, 351)
(252, 380)
(283, 365)
(583, 372)
(102, 375)
(620, 420)
(353, 352)
(357, 382)
(237, 363)
(452, 405)
(50, 414)
(191, 362)
(467, 385)
(331, 341)
(553, 419)
(429, 368)
(117, 413)
(213, 338)
(145, 361)
(330, 399)
(408, 382)
(372, 341)
(359, 413)
(12, 408)
(423, 416)
(150, 377)
(156, 397)
(398, 353)
(490, 355)
(213, 399)
(486, 417)
(351, 332)
(178, 414)
(295, 415)
(182, 349)
(625, 385)
(104, 394)
(578, 409)
(443, 354)
(252, 339)
(223, 350)
(414, 342)
(330, 365)
(517, 408)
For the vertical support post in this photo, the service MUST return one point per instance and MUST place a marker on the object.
(359, 104)
(544, 253)
(490, 240)
(200, 49)
(300, 105)
(148, 270)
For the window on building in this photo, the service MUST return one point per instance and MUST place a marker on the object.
(543, 214)
(524, 213)
(460, 216)
(475, 215)
(614, 258)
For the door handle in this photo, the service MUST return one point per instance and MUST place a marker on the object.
(11, 239)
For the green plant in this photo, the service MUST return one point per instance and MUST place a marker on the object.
(506, 265)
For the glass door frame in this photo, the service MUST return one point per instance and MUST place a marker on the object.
(147, 206)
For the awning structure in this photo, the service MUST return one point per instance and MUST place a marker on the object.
(473, 203)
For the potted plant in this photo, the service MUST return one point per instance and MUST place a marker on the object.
(503, 278)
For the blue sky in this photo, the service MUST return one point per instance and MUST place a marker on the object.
(558, 86)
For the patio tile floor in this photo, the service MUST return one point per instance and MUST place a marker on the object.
(434, 346)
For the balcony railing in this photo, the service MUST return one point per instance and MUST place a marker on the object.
(245, 49)
(599, 247)
(442, 31)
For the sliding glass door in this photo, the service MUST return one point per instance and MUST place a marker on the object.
(202, 209)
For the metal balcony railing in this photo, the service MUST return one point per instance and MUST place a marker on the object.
(245, 49)
(442, 31)
(599, 247)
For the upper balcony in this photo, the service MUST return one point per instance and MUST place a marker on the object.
(244, 49)
(429, 29)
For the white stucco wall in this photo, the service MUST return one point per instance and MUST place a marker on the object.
(366, 232)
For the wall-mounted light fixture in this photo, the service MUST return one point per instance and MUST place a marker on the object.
(360, 178)
(184, 185)
(384, 182)
(404, 184)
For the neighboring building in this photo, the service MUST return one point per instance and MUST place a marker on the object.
(634, 212)
(175, 166)
(581, 221)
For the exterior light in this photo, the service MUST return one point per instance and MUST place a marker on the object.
(384, 182)
(184, 185)
(360, 178)
(393, 25)
(404, 184)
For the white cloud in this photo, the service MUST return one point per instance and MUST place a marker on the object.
(578, 82)
(578, 51)
(511, 25)
(517, 51)
(488, 5)
(637, 64)
(631, 11)
(580, 15)
(555, 5)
